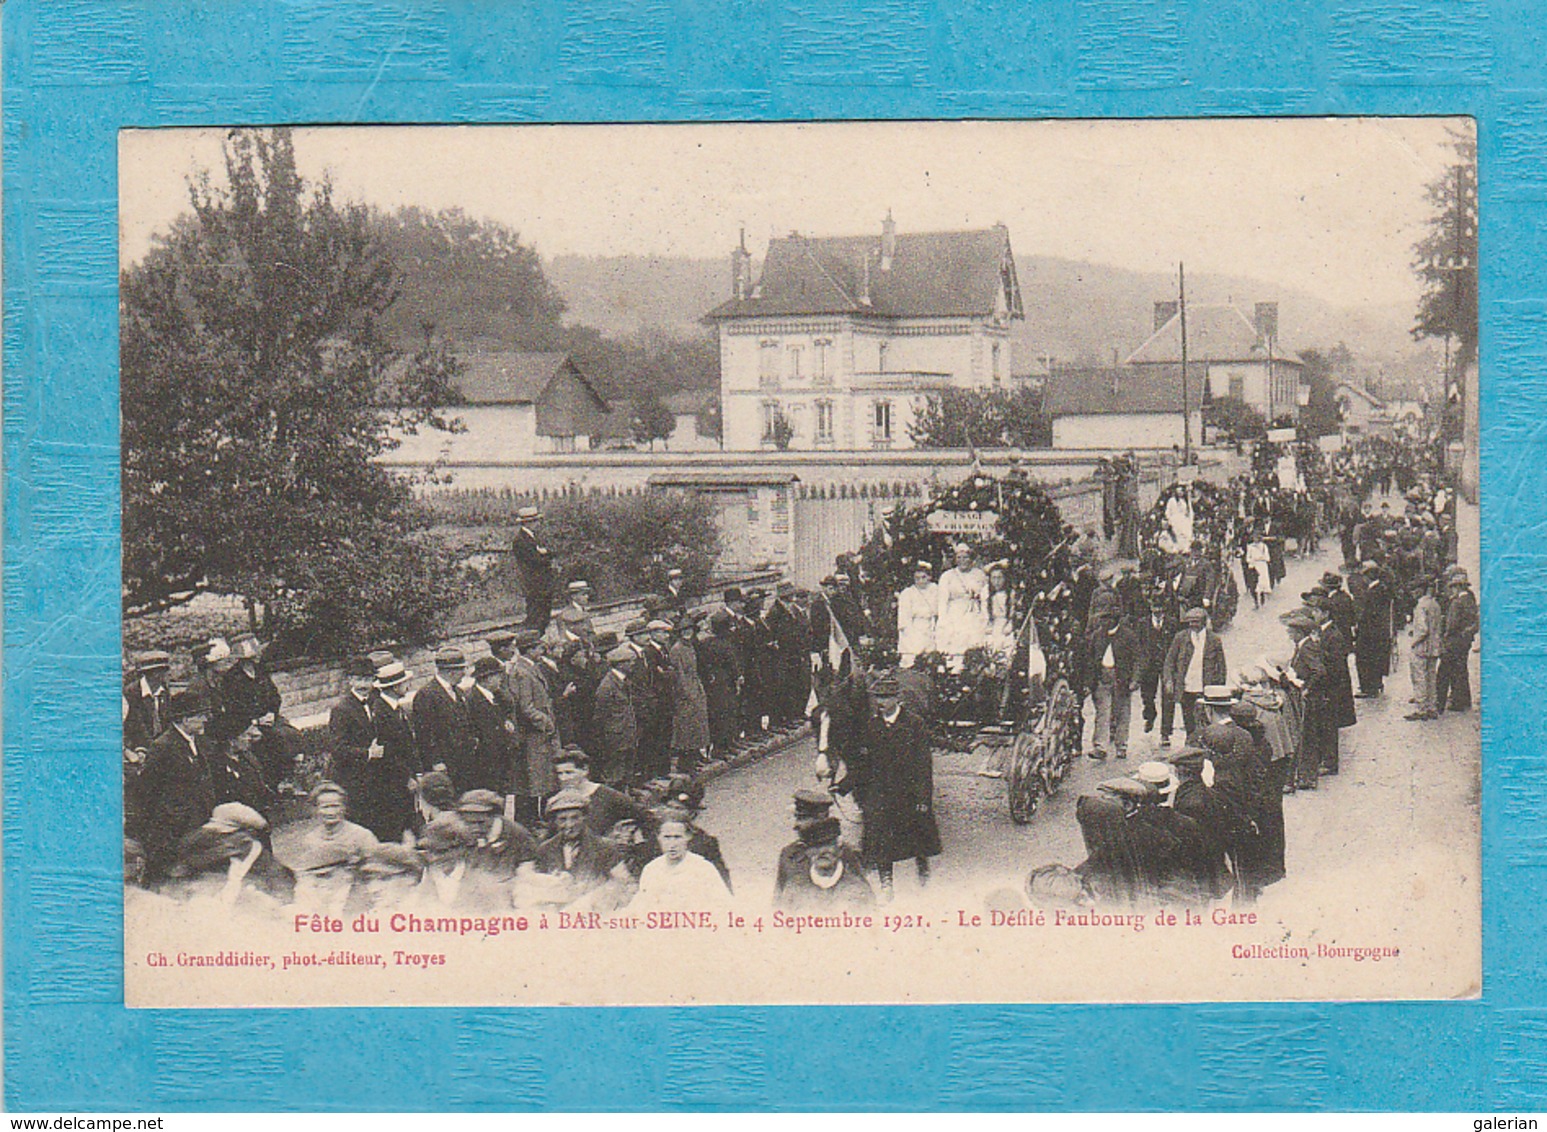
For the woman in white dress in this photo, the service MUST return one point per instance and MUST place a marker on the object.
(917, 610)
(963, 621)
(1177, 537)
(1257, 559)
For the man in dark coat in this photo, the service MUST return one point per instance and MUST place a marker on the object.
(719, 667)
(536, 719)
(1319, 732)
(617, 725)
(1155, 630)
(147, 699)
(175, 789)
(493, 761)
(897, 797)
(1372, 653)
(1453, 681)
(383, 802)
(651, 685)
(248, 696)
(534, 565)
(1194, 660)
(1340, 604)
(441, 724)
(791, 636)
(352, 729)
(1111, 655)
(1240, 777)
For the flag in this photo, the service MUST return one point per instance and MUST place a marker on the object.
(837, 641)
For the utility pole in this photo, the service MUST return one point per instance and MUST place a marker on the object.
(1181, 282)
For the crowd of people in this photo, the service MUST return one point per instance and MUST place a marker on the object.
(1206, 818)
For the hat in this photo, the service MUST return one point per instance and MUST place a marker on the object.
(526, 638)
(1243, 712)
(1460, 579)
(1154, 774)
(571, 616)
(719, 619)
(1298, 619)
(621, 655)
(487, 666)
(822, 831)
(1196, 616)
(229, 817)
(378, 657)
(567, 800)
(885, 685)
(501, 638)
(1332, 580)
(1369, 564)
(245, 646)
(436, 789)
(1218, 695)
(1125, 787)
(674, 572)
(658, 625)
(528, 515)
(605, 641)
(215, 650)
(579, 585)
(324, 788)
(925, 565)
(450, 658)
(152, 661)
(839, 578)
(635, 627)
(1189, 758)
(480, 802)
(812, 804)
(187, 704)
(392, 675)
(360, 668)
(830, 580)
(733, 594)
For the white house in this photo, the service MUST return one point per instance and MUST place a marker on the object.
(1362, 412)
(1241, 357)
(843, 337)
(513, 404)
(1123, 406)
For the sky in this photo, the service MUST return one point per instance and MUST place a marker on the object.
(1329, 206)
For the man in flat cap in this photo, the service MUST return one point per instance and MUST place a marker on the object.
(442, 727)
(1453, 687)
(651, 690)
(501, 846)
(810, 807)
(1195, 659)
(576, 615)
(719, 667)
(617, 725)
(897, 797)
(147, 697)
(582, 863)
(534, 566)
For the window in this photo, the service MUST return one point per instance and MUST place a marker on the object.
(1238, 386)
(770, 415)
(792, 362)
(997, 376)
(563, 443)
(824, 422)
(821, 361)
(881, 348)
(881, 424)
(768, 363)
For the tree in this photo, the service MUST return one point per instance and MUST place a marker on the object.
(1235, 417)
(975, 418)
(780, 430)
(1445, 261)
(1321, 415)
(257, 392)
(652, 420)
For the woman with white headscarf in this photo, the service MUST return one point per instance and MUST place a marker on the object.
(963, 621)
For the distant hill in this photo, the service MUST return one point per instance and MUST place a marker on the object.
(1074, 310)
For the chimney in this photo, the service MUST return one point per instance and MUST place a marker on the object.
(888, 241)
(864, 278)
(741, 269)
(1266, 321)
(1164, 312)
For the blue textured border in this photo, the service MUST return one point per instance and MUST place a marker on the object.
(77, 70)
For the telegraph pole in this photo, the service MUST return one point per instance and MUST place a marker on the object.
(1181, 281)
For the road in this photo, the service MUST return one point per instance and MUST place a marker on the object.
(1403, 810)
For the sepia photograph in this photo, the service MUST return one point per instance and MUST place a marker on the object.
(863, 562)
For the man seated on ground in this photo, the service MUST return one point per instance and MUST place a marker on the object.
(330, 851)
(500, 847)
(227, 858)
(574, 869)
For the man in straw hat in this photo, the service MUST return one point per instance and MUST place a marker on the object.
(381, 797)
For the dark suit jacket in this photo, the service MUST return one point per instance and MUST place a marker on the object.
(534, 564)
(537, 734)
(148, 715)
(176, 793)
(442, 728)
(491, 762)
(350, 731)
(1179, 656)
(594, 859)
(617, 728)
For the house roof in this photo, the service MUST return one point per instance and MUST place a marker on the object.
(932, 274)
(1364, 395)
(1086, 390)
(1216, 332)
(515, 377)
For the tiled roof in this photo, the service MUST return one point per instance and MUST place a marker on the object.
(1126, 389)
(1216, 332)
(512, 377)
(686, 401)
(932, 274)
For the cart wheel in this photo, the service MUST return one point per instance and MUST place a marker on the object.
(1023, 781)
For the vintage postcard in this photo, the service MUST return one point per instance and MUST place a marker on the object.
(912, 562)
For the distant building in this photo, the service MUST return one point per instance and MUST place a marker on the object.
(1123, 406)
(1362, 412)
(694, 431)
(843, 337)
(514, 404)
(1242, 357)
